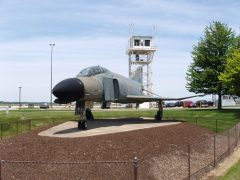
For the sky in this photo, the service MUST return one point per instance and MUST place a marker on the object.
(88, 33)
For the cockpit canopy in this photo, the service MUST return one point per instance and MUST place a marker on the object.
(92, 71)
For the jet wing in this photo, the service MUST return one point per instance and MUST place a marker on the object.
(152, 98)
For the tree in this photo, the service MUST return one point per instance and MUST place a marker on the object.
(231, 76)
(209, 60)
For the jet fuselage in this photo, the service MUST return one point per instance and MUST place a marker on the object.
(98, 85)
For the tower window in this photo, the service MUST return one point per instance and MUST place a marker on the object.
(136, 42)
(137, 57)
(147, 42)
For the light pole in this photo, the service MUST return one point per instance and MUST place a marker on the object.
(20, 91)
(52, 45)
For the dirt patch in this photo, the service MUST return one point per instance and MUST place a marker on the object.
(159, 149)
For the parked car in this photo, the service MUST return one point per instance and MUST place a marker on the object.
(179, 103)
(170, 104)
(30, 105)
(202, 103)
(189, 104)
(44, 106)
(210, 103)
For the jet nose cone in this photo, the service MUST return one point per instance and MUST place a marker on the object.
(69, 90)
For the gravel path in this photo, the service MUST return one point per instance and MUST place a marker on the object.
(155, 143)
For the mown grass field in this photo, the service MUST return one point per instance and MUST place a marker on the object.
(18, 121)
(225, 118)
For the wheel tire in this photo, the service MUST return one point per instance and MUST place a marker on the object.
(84, 124)
(92, 118)
(89, 115)
(79, 125)
(158, 116)
(104, 105)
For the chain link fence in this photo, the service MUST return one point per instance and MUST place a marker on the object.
(179, 162)
(57, 170)
(192, 161)
(25, 125)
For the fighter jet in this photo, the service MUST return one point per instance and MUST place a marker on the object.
(98, 84)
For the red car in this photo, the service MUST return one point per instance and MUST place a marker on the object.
(189, 104)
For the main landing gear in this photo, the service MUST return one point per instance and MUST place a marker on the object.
(85, 114)
(159, 115)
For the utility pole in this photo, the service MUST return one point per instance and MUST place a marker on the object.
(20, 91)
(51, 45)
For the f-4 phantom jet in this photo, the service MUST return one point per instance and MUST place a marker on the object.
(98, 84)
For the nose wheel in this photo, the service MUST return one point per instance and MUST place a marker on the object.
(84, 113)
(82, 124)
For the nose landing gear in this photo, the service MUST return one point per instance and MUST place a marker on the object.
(82, 124)
(84, 113)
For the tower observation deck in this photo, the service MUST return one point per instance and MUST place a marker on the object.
(140, 53)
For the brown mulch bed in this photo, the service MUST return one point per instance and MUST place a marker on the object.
(156, 143)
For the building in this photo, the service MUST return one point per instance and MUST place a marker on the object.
(227, 100)
(140, 53)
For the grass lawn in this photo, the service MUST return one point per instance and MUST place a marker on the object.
(226, 118)
(33, 114)
(20, 120)
(233, 173)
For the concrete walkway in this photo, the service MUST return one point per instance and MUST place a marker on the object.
(99, 127)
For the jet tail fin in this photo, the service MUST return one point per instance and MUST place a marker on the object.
(138, 75)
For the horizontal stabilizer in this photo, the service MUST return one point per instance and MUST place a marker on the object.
(152, 98)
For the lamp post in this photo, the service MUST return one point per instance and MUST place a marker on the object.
(51, 45)
(20, 91)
